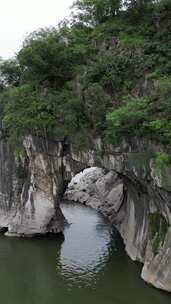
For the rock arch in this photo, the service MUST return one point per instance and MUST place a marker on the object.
(30, 204)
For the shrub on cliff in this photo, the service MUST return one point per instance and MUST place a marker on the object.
(106, 73)
(149, 116)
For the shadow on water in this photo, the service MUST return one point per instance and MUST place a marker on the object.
(89, 266)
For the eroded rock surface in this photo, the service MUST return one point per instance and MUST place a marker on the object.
(29, 186)
(97, 189)
(127, 189)
(128, 206)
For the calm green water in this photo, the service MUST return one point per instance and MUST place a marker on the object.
(88, 267)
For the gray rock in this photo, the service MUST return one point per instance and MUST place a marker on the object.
(29, 205)
(126, 189)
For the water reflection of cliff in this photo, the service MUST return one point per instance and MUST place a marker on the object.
(86, 248)
(48, 270)
(93, 266)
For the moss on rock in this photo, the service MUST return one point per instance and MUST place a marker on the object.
(158, 230)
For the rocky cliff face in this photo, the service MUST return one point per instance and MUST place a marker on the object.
(129, 208)
(131, 188)
(134, 193)
(29, 186)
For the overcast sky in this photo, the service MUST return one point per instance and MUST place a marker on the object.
(19, 17)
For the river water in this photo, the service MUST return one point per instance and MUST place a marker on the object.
(88, 267)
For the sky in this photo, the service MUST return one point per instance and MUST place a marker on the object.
(20, 17)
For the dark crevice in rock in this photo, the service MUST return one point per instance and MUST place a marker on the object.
(3, 229)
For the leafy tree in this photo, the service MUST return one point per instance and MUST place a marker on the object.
(138, 10)
(139, 5)
(73, 81)
(49, 57)
(148, 116)
(96, 103)
(27, 112)
(96, 11)
(127, 120)
(10, 72)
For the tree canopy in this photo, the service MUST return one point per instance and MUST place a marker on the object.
(106, 72)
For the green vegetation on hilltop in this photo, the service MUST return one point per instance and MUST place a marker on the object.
(105, 72)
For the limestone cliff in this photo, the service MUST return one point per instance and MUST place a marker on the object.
(129, 209)
(131, 191)
(135, 195)
(29, 186)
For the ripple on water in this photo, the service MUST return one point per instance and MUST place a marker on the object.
(89, 266)
(86, 247)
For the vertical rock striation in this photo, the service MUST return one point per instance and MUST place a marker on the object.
(129, 191)
(127, 187)
(29, 189)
